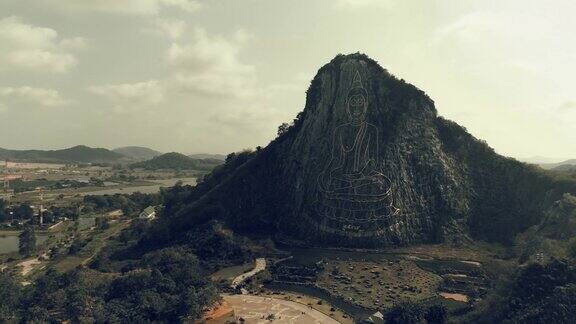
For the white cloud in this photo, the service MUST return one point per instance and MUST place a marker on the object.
(362, 3)
(37, 48)
(131, 7)
(209, 53)
(568, 106)
(172, 28)
(31, 95)
(130, 96)
(528, 47)
(186, 5)
(515, 63)
(211, 65)
(215, 85)
(526, 38)
(208, 67)
(75, 43)
(41, 59)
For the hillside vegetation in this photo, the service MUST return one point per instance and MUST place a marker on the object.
(137, 153)
(177, 161)
(76, 154)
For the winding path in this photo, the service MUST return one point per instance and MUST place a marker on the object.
(259, 266)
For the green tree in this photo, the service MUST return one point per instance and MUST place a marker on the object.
(24, 211)
(27, 244)
(572, 248)
(76, 246)
(4, 215)
(36, 314)
(436, 314)
(10, 292)
(283, 128)
(102, 223)
(405, 313)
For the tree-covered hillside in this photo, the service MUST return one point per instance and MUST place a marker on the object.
(177, 161)
(76, 154)
(137, 153)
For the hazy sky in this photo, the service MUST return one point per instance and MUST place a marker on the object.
(221, 75)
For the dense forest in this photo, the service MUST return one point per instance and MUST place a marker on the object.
(129, 281)
(139, 275)
(166, 285)
(177, 161)
(76, 154)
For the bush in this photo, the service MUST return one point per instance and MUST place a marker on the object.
(436, 314)
(10, 292)
(572, 248)
(405, 313)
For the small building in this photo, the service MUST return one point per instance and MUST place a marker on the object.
(376, 318)
(115, 214)
(148, 213)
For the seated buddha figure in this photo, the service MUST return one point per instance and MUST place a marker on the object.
(352, 180)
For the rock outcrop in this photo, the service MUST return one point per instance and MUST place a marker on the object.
(367, 163)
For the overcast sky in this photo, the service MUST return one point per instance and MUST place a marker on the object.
(220, 75)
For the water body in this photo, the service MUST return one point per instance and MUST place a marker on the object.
(155, 188)
(9, 243)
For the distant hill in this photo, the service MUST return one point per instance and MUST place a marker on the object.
(565, 168)
(76, 154)
(177, 161)
(538, 160)
(220, 157)
(550, 166)
(137, 153)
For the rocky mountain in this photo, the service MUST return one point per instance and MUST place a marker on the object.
(76, 154)
(369, 163)
(137, 153)
(177, 161)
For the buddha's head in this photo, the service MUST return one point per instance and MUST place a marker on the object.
(357, 101)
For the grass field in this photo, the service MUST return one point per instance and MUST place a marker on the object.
(378, 284)
(95, 244)
(457, 277)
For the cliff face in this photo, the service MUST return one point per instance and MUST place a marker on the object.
(369, 163)
(366, 164)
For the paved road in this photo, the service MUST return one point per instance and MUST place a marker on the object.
(256, 309)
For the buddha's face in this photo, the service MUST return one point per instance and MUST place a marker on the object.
(357, 105)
